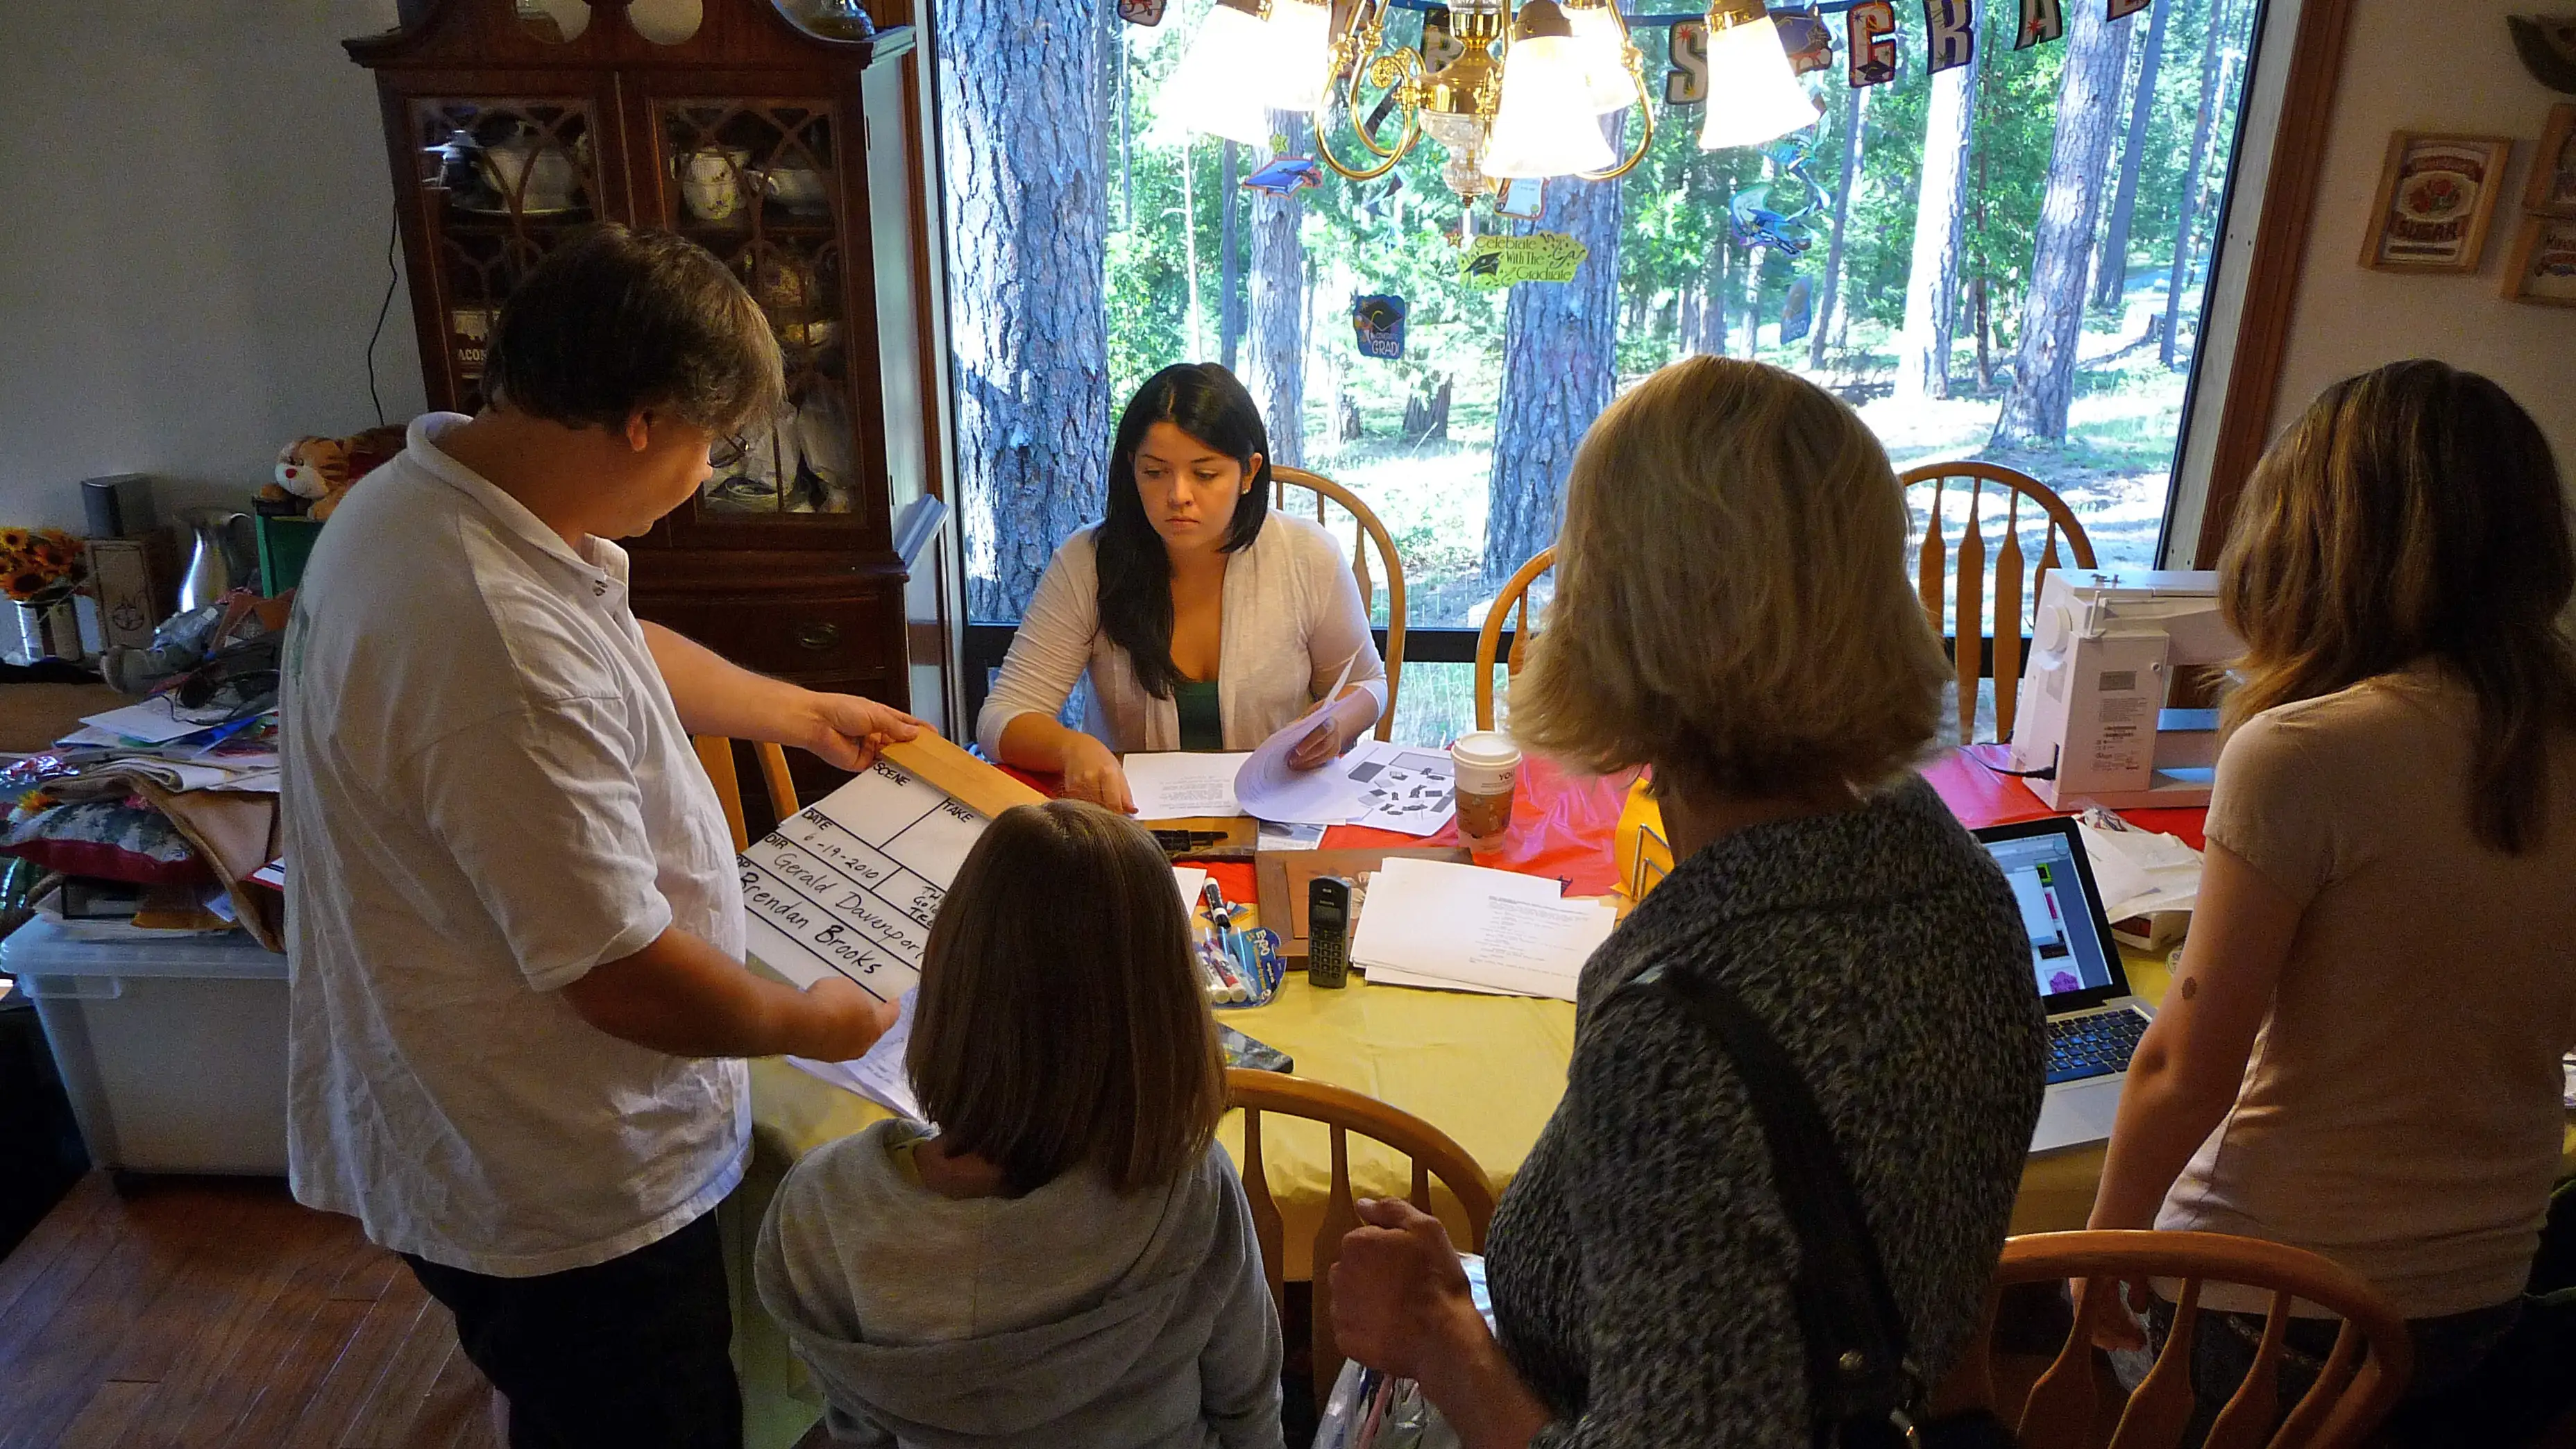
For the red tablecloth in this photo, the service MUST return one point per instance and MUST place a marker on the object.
(1562, 822)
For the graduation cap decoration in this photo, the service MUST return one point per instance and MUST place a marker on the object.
(1285, 175)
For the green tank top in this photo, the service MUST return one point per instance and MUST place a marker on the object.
(1202, 727)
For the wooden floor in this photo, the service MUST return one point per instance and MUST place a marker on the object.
(210, 1312)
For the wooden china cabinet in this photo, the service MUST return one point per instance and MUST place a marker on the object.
(802, 161)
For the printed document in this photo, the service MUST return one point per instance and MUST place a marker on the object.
(1463, 927)
(1177, 784)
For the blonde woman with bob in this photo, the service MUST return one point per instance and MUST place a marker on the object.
(1067, 1258)
(1732, 610)
(2360, 1052)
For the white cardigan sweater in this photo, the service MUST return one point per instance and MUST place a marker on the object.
(1292, 615)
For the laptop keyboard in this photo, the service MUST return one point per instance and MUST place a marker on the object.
(2092, 1046)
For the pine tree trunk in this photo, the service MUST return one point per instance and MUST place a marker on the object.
(2052, 322)
(2178, 274)
(2098, 197)
(1712, 313)
(1274, 354)
(1830, 289)
(1019, 125)
(1229, 307)
(2111, 276)
(1932, 280)
(1560, 363)
(1686, 329)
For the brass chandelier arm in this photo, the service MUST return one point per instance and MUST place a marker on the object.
(1645, 110)
(1404, 67)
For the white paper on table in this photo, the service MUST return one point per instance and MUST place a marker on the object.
(2138, 871)
(879, 1076)
(1403, 788)
(90, 734)
(1270, 787)
(154, 721)
(1394, 976)
(1466, 927)
(1279, 835)
(1190, 879)
(1170, 785)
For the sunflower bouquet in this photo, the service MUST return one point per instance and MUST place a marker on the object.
(40, 566)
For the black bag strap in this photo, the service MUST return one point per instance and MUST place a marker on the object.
(1864, 1387)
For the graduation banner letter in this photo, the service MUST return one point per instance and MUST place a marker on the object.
(2123, 9)
(1872, 54)
(1686, 84)
(2041, 20)
(1949, 33)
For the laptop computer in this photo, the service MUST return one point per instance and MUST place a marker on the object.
(2093, 1021)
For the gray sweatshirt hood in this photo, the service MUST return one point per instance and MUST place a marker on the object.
(1071, 1315)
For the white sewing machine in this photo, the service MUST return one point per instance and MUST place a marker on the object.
(2104, 651)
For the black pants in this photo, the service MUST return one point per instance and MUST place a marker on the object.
(630, 1352)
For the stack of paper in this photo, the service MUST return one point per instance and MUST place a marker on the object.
(2138, 871)
(1465, 928)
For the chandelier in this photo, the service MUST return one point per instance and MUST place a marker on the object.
(1515, 93)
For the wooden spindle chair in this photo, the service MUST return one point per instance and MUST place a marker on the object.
(1489, 637)
(2362, 1379)
(2013, 605)
(1366, 533)
(715, 753)
(1433, 1153)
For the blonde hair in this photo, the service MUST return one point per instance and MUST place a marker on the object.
(2413, 512)
(1731, 602)
(1061, 1022)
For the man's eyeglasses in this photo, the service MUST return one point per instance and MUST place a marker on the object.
(728, 452)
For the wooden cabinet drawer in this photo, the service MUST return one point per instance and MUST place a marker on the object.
(808, 640)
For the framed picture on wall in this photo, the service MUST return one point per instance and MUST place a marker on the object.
(2436, 196)
(2552, 191)
(2542, 269)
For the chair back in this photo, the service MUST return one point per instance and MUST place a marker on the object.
(2361, 1380)
(715, 753)
(1433, 1153)
(1489, 636)
(1976, 488)
(1366, 533)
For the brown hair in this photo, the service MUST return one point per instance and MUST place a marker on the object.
(2413, 512)
(1731, 603)
(1061, 1022)
(616, 320)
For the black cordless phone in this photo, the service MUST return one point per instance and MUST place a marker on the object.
(1328, 931)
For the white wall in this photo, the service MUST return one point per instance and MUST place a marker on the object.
(2450, 66)
(194, 205)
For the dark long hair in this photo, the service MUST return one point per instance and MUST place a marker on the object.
(2414, 512)
(1206, 402)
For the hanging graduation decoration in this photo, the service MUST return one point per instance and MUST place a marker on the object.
(2041, 20)
(1803, 35)
(1142, 12)
(1686, 84)
(1379, 321)
(1869, 25)
(1797, 312)
(1949, 33)
(2123, 9)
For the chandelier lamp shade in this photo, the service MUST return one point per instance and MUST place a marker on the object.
(1753, 92)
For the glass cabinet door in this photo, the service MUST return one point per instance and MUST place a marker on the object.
(758, 183)
(502, 182)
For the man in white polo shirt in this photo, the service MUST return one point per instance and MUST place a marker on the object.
(516, 936)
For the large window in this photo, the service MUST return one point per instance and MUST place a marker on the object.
(1894, 252)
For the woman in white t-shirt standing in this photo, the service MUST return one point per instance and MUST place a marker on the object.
(2360, 1051)
(1205, 619)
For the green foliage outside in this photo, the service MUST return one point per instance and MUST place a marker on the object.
(1398, 235)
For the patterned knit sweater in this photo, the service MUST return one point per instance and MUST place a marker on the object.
(1640, 1261)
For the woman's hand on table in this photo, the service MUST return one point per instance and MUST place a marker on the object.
(1091, 773)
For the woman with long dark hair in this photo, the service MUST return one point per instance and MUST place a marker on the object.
(1205, 620)
(2360, 1051)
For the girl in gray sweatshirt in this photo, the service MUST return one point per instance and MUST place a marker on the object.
(1067, 1258)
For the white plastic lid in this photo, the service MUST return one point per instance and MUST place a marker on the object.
(40, 948)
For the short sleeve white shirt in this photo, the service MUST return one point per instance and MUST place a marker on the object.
(488, 792)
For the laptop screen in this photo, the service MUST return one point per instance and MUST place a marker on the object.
(2072, 956)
